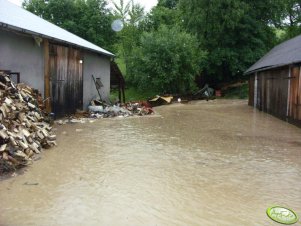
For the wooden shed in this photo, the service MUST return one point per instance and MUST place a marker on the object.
(275, 82)
(52, 60)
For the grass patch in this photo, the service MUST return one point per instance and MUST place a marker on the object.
(133, 94)
(241, 92)
(121, 64)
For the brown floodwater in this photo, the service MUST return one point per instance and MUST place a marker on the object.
(204, 163)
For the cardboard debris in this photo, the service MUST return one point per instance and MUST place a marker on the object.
(23, 129)
(160, 100)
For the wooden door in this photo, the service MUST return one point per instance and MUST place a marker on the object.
(66, 80)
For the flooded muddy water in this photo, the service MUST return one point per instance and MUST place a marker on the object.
(203, 163)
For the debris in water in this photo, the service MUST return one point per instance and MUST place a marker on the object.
(27, 183)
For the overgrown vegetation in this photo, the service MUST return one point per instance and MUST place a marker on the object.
(89, 19)
(133, 94)
(165, 49)
(241, 92)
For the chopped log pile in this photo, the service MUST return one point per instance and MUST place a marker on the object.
(23, 129)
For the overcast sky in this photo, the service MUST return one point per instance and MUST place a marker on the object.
(148, 4)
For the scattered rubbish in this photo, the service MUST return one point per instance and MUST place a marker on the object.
(205, 93)
(99, 109)
(218, 93)
(77, 121)
(140, 108)
(60, 122)
(78, 130)
(24, 128)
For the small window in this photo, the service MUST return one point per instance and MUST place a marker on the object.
(15, 77)
(98, 83)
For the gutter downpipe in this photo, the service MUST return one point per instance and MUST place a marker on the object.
(255, 89)
(288, 91)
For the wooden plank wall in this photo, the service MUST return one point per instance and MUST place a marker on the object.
(278, 93)
(272, 93)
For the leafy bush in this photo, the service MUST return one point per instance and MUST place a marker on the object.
(167, 60)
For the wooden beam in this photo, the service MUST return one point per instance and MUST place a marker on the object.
(47, 96)
(123, 92)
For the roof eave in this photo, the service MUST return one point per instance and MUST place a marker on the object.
(25, 31)
(270, 67)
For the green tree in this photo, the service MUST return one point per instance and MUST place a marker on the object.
(165, 13)
(89, 19)
(131, 14)
(170, 4)
(235, 33)
(167, 60)
(291, 22)
(121, 10)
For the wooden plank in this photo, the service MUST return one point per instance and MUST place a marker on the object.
(47, 95)
(258, 95)
(279, 93)
(294, 94)
(299, 97)
(59, 66)
(74, 81)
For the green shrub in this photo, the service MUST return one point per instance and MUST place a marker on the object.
(166, 61)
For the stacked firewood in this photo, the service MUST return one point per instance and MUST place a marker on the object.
(23, 130)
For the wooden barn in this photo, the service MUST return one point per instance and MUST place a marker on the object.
(52, 60)
(275, 82)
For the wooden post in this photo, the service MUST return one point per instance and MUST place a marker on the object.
(289, 92)
(123, 92)
(47, 96)
(119, 91)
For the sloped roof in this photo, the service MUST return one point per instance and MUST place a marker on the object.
(17, 18)
(286, 53)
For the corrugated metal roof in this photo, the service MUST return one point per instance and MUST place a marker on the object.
(286, 53)
(20, 19)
